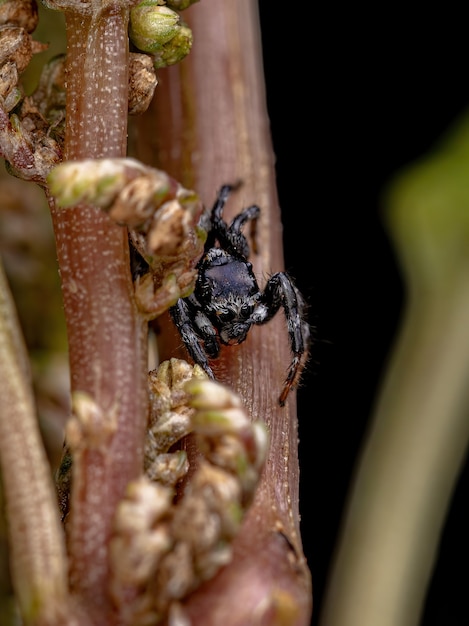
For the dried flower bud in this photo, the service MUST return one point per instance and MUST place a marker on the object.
(143, 505)
(208, 393)
(163, 549)
(9, 90)
(96, 181)
(30, 152)
(162, 217)
(170, 415)
(166, 469)
(139, 543)
(138, 200)
(225, 435)
(142, 82)
(90, 426)
(17, 45)
(21, 13)
(50, 94)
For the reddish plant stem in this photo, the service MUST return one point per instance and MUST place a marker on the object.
(210, 126)
(107, 338)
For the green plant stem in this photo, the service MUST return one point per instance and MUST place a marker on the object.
(419, 430)
(107, 336)
(407, 471)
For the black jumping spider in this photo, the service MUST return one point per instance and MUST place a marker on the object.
(227, 300)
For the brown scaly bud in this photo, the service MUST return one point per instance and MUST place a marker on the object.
(169, 547)
(25, 142)
(170, 415)
(162, 217)
(50, 93)
(141, 539)
(142, 82)
(90, 427)
(9, 90)
(172, 246)
(225, 436)
(22, 13)
(17, 45)
(30, 152)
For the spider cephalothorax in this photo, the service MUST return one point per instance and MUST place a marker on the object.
(227, 300)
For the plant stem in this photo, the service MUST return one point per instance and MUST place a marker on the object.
(419, 429)
(38, 560)
(107, 336)
(407, 471)
(210, 126)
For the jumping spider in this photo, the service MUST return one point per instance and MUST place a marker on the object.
(227, 300)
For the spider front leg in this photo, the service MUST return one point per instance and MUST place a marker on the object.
(237, 241)
(193, 325)
(230, 237)
(280, 291)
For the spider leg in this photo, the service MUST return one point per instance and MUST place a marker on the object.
(223, 195)
(218, 225)
(237, 242)
(181, 316)
(280, 291)
(230, 237)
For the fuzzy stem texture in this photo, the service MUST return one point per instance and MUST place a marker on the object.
(37, 557)
(209, 127)
(107, 338)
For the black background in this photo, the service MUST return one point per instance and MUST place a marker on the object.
(353, 97)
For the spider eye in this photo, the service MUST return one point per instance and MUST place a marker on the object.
(225, 315)
(246, 310)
